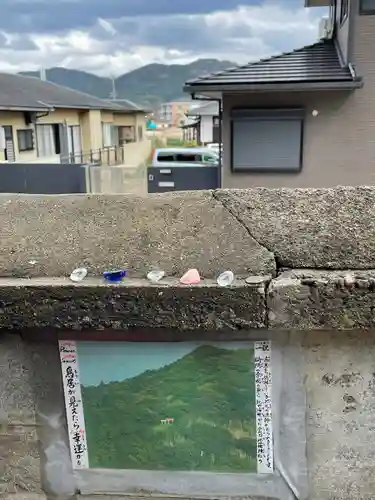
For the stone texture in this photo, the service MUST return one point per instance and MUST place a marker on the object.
(340, 385)
(311, 300)
(19, 452)
(33, 417)
(309, 228)
(92, 304)
(173, 232)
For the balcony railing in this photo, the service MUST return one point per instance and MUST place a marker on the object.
(108, 156)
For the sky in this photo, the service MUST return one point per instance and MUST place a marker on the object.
(113, 361)
(112, 37)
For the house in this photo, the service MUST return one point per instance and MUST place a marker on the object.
(207, 120)
(173, 113)
(44, 122)
(304, 118)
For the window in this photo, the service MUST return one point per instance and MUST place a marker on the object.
(166, 157)
(126, 134)
(109, 138)
(45, 140)
(56, 137)
(367, 7)
(25, 139)
(188, 157)
(344, 11)
(267, 140)
(215, 121)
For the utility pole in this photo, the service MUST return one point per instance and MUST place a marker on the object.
(113, 93)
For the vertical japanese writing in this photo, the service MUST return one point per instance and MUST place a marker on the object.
(73, 404)
(263, 391)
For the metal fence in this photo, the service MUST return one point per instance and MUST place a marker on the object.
(43, 178)
(109, 156)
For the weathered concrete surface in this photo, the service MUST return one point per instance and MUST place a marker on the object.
(19, 453)
(173, 232)
(93, 304)
(309, 228)
(311, 300)
(338, 373)
(32, 409)
(298, 299)
(340, 384)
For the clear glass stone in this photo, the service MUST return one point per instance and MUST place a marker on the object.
(79, 274)
(225, 279)
(155, 276)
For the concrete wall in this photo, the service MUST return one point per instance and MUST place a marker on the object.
(338, 138)
(340, 385)
(319, 318)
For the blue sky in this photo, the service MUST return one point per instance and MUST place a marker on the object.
(116, 36)
(112, 361)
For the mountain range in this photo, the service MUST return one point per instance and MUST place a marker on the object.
(197, 413)
(149, 85)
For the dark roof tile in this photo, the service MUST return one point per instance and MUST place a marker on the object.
(19, 91)
(313, 63)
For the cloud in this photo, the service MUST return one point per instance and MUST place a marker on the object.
(140, 33)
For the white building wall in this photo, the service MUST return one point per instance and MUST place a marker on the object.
(206, 126)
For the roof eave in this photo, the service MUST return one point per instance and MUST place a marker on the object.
(23, 108)
(317, 3)
(277, 87)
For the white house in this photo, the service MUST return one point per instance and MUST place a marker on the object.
(207, 118)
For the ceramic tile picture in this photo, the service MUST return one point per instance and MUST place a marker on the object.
(169, 406)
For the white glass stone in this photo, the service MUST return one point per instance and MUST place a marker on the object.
(78, 274)
(225, 279)
(155, 276)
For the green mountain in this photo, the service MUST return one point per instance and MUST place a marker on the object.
(149, 85)
(210, 396)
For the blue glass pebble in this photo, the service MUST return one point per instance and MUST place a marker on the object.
(114, 276)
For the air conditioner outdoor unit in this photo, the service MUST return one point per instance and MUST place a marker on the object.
(325, 28)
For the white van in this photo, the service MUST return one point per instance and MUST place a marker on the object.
(184, 157)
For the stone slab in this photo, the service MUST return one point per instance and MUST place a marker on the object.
(93, 304)
(322, 300)
(52, 235)
(309, 228)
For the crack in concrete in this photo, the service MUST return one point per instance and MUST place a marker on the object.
(278, 264)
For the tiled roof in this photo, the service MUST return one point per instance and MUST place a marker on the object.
(18, 91)
(314, 63)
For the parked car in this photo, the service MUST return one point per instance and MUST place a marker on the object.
(184, 157)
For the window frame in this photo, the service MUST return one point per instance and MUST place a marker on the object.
(344, 12)
(51, 138)
(27, 132)
(365, 12)
(276, 114)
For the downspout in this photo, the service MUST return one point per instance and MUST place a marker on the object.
(219, 101)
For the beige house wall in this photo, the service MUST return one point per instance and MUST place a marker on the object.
(339, 144)
(91, 129)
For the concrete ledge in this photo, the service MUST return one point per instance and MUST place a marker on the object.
(313, 300)
(93, 304)
(297, 300)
